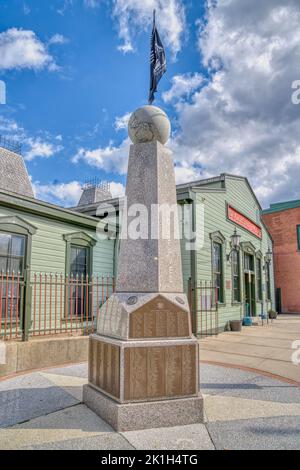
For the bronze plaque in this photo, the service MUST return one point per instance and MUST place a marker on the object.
(159, 318)
(160, 372)
(104, 367)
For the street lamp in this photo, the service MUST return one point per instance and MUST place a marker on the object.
(235, 244)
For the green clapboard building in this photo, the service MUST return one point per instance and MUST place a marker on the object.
(240, 280)
(57, 265)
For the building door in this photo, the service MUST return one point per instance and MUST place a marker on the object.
(278, 300)
(249, 285)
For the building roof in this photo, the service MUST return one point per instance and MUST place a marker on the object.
(282, 206)
(44, 209)
(182, 188)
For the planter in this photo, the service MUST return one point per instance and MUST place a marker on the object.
(236, 325)
(272, 314)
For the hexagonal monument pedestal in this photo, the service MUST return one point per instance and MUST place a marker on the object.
(143, 361)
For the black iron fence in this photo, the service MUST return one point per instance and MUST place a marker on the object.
(203, 302)
(50, 304)
(41, 304)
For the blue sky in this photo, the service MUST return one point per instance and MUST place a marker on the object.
(74, 69)
(76, 104)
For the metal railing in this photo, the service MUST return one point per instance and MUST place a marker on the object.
(44, 304)
(203, 300)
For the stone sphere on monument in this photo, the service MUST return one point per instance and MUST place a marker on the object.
(149, 124)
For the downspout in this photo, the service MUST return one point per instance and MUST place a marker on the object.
(193, 255)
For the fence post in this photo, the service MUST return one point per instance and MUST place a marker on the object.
(27, 306)
(192, 304)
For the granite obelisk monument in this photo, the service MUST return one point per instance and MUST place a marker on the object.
(143, 361)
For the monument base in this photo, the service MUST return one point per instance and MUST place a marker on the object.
(144, 415)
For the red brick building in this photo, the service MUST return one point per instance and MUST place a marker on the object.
(283, 223)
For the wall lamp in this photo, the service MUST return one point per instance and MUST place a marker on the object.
(235, 244)
(268, 258)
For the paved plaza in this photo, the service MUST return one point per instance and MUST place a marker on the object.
(244, 410)
(266, 348)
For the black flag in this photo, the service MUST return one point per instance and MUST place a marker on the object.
(158, 63)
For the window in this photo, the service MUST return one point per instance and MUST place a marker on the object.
(258, 279)
(236, 280)
(248, 262)
(12, 252)
(12, 255)
(218, 270)
(79, 285)
(268, 282)
(298, 236)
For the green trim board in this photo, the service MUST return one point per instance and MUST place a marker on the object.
(17, 225)
(282, 206)
(47, 210)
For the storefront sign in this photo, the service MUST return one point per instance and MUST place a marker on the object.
(243, 221)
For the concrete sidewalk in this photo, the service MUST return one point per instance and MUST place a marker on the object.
(265, 348)
(244, 410)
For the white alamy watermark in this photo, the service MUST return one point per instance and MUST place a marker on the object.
(2, 92)
(160, 221)
(296, 94)
(2, 353)
(296, 354)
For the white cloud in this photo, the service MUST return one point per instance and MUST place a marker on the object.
(23, 49)
(10, 128)
(182, 86)
(121, 122)
(137, 14)
(58, 39)
(242, 120)
(66, 194)
(38, 148)
(186, 174)
(117, 189)
(109, 159)
(26, 9)
(33, 147)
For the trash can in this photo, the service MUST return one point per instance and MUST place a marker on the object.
(236, 325)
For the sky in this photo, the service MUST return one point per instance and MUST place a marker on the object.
(75, 69)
